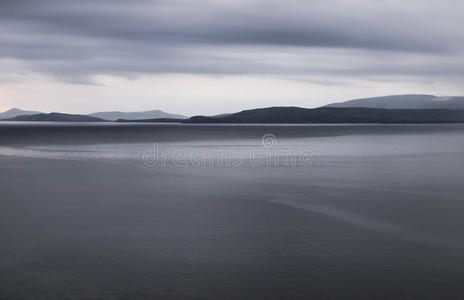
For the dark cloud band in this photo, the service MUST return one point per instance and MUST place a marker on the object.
(78, 39)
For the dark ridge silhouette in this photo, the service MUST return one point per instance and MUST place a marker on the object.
(57, 117)
(336, 115)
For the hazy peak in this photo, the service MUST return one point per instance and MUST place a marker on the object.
(408, 101)
(138, 115)
(14, 112)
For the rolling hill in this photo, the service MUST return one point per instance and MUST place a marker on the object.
(14, 112)
(140, 115)
(328, 115)
(405, 102)
(56, 117)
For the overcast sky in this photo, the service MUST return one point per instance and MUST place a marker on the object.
(206, 57)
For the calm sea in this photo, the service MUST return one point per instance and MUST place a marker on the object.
(170, 211)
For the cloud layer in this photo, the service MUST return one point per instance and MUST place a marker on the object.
(76, 40)
(319, 45)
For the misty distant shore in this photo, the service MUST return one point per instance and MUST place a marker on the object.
(383, 110)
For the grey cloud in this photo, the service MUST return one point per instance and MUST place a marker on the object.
(78, 39)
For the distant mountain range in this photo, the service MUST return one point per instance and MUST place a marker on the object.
(151, 114)
(57, 117)
(387, 109)
(14, 112)
(336, 115)
(405, 102)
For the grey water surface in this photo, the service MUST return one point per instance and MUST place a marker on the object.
(173, 211)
